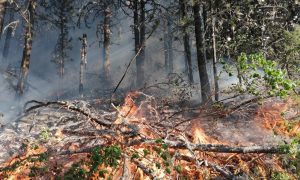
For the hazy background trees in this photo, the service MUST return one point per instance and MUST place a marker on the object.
(177, 36)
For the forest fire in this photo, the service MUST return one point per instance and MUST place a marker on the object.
(271, 117)
(138, 149)
(199, 135)
(149, 89)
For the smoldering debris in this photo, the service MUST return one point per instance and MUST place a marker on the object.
(65, 129)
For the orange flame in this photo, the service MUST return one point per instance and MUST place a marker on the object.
(199, 135)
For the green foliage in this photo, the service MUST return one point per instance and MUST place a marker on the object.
(75, 173)
(37, 171)
(45, 135)
(290, 55)
(102, 172)
(178, 168)
(109, 156)
(146, 152)
(135, 155)
(292, 158)
(112, 155)
(41, 158)
(280, 176)
(261, 76)
(165, 159)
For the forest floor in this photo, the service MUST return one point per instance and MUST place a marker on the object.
(148, 138)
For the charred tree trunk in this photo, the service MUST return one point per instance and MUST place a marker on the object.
(2, 14)
(215, 58)
(27, 48)
(140, 63)
(201, 51)
(186, 42)
(106, 44)
(83, 62)
(139, 36)
(8, 35)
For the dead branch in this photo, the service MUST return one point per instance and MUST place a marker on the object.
(147, 171)
(68, 106)
(219, 148)
(89, 133)
(218, 168)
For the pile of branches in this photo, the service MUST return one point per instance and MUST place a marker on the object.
(138, 140)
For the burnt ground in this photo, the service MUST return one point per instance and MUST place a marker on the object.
(59, 128)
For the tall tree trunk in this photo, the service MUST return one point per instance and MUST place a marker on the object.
(2, 14)
(27, 48)
(170, 45)
(140, 63)
(215, 57)
(186, 41)
(201, 51)
(166, 46)
(136, 21)
(140, 37)
(83, 62)
(106, 44)
(63, 34)
(62, 48)
(8, 35)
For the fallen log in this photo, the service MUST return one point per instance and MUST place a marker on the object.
(219, 148)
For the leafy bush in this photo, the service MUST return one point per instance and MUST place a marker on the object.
(262, 77)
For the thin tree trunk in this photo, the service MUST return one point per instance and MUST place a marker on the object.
(170, 45)
(62, 54)
(8, 35)
(106, 44)
(215, 58)
(82, 62)
(166, 46)
(201, 51)
(2, 14)
(27, 48)
(186, 42)
(136, 25)
(140, 62)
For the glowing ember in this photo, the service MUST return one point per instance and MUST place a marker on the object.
(270, 114)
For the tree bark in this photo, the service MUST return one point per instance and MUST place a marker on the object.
(136, 27)
(62, 44)
(166, 46)
(2, 14)
(219, 148)
(170, 44)
(82, 62)
(8, 35)
(201, 51)
(27, 48)
(215, 58)
(106, 44)
(186, 42)
(140, 62)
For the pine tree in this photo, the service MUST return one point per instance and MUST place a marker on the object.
(60, 13)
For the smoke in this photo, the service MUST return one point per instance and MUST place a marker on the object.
(45, 84)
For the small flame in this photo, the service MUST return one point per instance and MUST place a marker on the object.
(199, 135)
